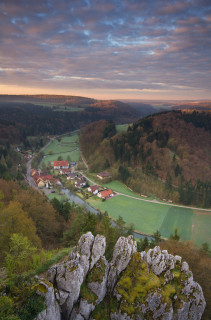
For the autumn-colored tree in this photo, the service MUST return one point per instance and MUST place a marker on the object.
(13, 219)
(46, 220)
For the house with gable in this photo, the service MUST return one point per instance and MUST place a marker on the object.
(104, 175)
(104, 194)
(93, 189)
(57, 165)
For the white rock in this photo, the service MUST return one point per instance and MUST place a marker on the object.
(98, 249)
(52, 311)
(123, 250)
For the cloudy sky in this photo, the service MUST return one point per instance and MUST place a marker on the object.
(108, 49)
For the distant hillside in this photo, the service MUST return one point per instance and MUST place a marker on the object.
(148, 107)
(22, 116)
(159, 152)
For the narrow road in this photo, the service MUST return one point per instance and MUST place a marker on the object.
(152, 201)
(28, 167)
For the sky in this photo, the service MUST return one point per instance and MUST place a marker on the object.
(106, 49)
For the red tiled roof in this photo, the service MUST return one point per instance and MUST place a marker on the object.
(35, 176)
(106, 193)
(47, 177)
(94, 188)
(60, 163)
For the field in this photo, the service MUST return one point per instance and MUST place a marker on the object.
(121, 128)
(67, 146)
(149, 217)
(121, 188)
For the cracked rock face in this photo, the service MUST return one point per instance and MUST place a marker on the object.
(146, 285)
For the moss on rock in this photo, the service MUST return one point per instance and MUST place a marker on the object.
(98, 272)
(87, 294)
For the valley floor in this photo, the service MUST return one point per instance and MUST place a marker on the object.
(147, 214)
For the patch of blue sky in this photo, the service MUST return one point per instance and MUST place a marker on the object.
(16, 20)
(41, 15)
(87, 2)
(86, 33)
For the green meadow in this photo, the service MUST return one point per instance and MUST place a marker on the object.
(121, 128)
(67, 146)
(148, 217)
(121, 188)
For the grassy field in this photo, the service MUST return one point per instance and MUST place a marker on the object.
(121, 188)
(180, 218)
(201, 228)
(149, 217)
(121, 128)
(67, 146)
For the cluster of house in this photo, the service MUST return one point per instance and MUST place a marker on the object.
(103, 194)
(80, 180)
(43, 179)
(64, 168)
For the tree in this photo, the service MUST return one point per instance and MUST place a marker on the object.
(205, 247)
(120, 227)
(43, 166)
(19, 257)
(177, 170)
(7, 309)
(124, 174)
(168, 182)
(14, 220)
(142, 244)
(59, 158)
(175, 236)
(108, 231)
(157, 237)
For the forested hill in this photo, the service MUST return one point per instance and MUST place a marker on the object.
(22, 116)
(170, 147)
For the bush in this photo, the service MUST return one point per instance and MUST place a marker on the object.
(7, 309)
(31, 307)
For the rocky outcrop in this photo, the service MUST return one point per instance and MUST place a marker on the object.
(123, 250)
(146, 285)
(52, 311)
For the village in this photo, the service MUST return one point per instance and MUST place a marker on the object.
(64, 173)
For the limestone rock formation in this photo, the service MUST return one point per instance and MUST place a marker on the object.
(146, 285)
(52, 311)
(123, 250)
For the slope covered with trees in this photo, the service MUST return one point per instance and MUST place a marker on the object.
(22, 116)
(167, 154)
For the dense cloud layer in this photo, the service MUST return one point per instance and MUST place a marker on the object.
(117, 47)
